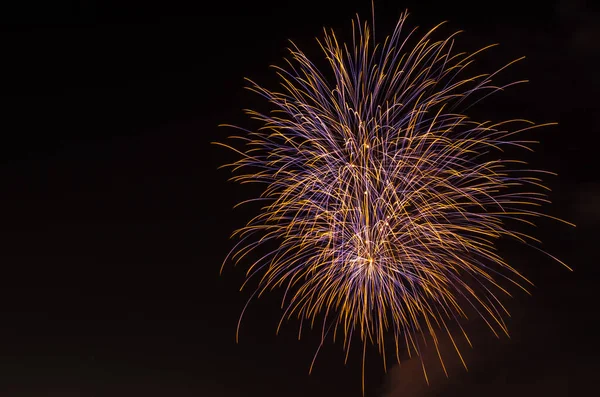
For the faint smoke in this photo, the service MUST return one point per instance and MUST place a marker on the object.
(582, 23)
(587, 204)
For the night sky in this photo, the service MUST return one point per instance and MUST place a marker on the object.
(115, 218)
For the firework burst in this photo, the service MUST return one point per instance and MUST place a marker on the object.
(383, 200)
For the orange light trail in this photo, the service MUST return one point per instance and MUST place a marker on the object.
(383, 201)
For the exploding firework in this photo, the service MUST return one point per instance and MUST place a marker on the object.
(382, 199)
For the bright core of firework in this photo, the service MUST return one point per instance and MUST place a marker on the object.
(382, 199)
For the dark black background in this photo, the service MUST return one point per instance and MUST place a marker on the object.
(115, 219)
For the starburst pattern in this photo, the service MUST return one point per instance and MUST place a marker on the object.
(383, 199)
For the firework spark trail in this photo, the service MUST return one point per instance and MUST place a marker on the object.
(382, 209)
